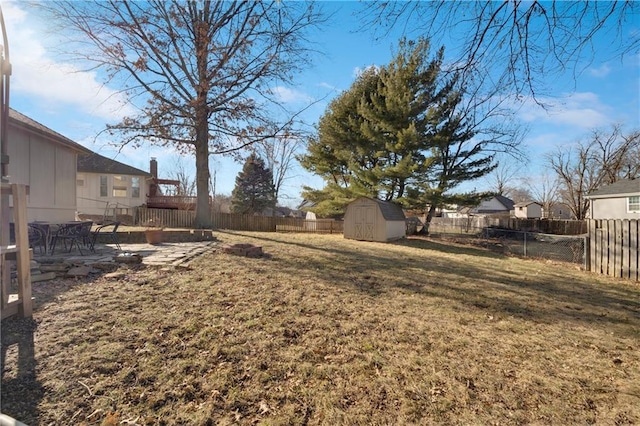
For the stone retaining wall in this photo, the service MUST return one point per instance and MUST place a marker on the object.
(170, 236)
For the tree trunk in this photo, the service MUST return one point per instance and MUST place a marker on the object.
(203, 209)
(427, 221)
(201, 41)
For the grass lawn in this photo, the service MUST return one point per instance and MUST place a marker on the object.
(330, 331)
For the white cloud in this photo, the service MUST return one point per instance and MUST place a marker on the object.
(583, 110)
(36, 75)
(326, 85)
(290, 96)
(601, 71)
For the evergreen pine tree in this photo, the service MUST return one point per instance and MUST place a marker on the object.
(401, 132)
(254, 191)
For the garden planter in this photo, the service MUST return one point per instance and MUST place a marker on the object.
(154, 236)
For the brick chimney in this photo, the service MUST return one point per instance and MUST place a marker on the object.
(153, 168)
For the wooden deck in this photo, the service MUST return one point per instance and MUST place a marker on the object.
(177, 202)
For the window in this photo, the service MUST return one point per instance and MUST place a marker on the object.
(103, 186)
(633, 204)
(119, 186)
(135, 187)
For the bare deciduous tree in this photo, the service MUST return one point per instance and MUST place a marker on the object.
(279, 154)
(186, 184)
(520, 44)
(200, 72)
(519, 194)
(604, 158)
(544, 189)
(503, 179)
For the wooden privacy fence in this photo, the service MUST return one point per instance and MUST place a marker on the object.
(545, 226)
(614, 247)
(163, 217)
(476, 224)
(236, 222)
(245, 222)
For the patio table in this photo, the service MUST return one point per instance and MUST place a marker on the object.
(74, 232)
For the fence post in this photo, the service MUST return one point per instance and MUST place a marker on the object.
(585, 242)
(525, 243)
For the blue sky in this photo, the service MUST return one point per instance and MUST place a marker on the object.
(78, 105)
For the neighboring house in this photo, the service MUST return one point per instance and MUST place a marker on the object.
(559, 211)
(620, 200)
(281, 211)
(461, 212)
(449, 211)
(527, 210)
(304, 207)
(46, 161)
(106, 187)
(497, 205)
(369, 219)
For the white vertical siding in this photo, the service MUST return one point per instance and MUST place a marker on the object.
(49, 171)
(65, 173)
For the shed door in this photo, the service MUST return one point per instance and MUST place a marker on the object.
(365, 222)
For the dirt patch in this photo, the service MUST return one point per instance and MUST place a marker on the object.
(329, 331)
(248, 250)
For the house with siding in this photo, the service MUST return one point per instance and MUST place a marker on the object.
(527, 210)
(45, 161)
(559, 211)
(107, 187)
(498, 205)
(620, 200)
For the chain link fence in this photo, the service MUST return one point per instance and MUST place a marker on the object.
(564, 248)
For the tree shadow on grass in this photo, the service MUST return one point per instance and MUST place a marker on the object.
(420, 243)
(21, 391)
(426, 244)
(538, 291)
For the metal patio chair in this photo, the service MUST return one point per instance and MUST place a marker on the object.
(106, 231)
(77, 233)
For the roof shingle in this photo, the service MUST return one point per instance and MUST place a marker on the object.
(389, 210)
(21, 120)
(96, 163)
(623, 186)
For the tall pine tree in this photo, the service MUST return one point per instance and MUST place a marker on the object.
(254, 191)
(401, 133)
(340, 153)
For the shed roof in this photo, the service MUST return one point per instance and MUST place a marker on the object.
(621, 187)
(96, 163)
(389, 210)
(20, 120)
(526, 203)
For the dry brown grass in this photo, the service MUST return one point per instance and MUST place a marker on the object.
(330, 331)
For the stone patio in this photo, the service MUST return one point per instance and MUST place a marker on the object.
(46, 266)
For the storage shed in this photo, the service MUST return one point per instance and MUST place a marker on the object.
(369, 219)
